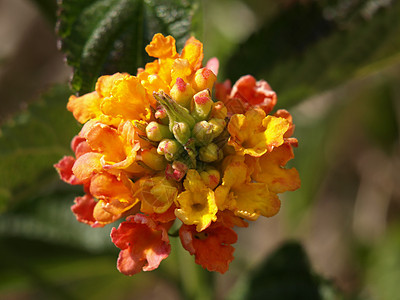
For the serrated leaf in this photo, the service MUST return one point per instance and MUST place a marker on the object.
(108, 36)
(31, 143)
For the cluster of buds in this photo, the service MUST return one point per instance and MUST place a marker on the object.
(160, 151)
(187, 135)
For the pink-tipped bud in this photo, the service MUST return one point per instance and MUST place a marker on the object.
(153, 160)
(204, 79)
(211, 177)
(182, 92)
(157, 132)
(176, 171)
(170, 148)
(161, 115)
(202, 105)
(219, 110)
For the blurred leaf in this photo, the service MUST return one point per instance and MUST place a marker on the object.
(31, 143)
(383, 269)
(48, 8)
(32, 269)
(286, 274)
(301, 53)
(108, 36)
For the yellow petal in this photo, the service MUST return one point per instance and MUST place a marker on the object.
(193, 52)
(196, 205)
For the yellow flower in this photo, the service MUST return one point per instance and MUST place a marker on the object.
(239, 194)
(197, 203)
(255, 134)
(156, 193)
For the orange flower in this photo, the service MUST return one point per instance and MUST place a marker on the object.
(157, 147)
(88, 106)
(211, 247)
(143, 243)
(245, 94)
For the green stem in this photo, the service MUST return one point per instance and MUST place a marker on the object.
(195, 282)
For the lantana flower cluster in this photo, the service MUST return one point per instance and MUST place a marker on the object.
(160, 151)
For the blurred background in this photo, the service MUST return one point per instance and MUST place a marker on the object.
(335, 65)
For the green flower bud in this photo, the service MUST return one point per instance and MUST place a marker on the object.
(202, 105)
(203, 132)
(210, 153)
(175, 112)
(181, 132)
(218, 125)
(156, 132)
(170, 148)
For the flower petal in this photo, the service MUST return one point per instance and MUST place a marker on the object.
(143, 242)
(212, 247)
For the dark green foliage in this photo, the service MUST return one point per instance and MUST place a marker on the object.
(107, 36)
(301, 53)
(31, 143)
(284, 275)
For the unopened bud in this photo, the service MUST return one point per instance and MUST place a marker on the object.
(161, 115)
(176, 171)
(202, 105)
(182, 92)
(153, 160)
(175, 112)
(211, 177)
(219, 110)
(204, 79)
(202, 132)
(156, 132)
(218, 125)
(209, 153)
(181, 132)
(171, 149)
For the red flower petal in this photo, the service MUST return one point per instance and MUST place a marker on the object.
(211, 247)
(83, 209)
(143, 242)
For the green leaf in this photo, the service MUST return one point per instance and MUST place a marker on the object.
(31, 143)
(286, 274)
(301, 53)
(107, 36)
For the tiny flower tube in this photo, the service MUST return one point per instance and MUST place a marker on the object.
(211, 177)
(210, 153)
(182, 92)
(170, 148)
(175, 112)
(181, 132)
(153, 160)
(204, 79)
(157, 132)
(202, 105)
